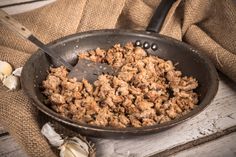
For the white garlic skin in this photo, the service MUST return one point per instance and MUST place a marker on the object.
(74, 147)
(2, 77)
(5, 70)
(17, 71)
(54, 138)
(71, 147)
(11, 82)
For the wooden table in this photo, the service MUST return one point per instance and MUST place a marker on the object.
(211, 133)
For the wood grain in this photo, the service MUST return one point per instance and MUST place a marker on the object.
(14, 25)
(23, 8)
(7, 2)
(225, 146)
(194, 143)
(9, 148)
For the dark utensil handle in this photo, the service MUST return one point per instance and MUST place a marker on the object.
(159, 16)
(49, 52)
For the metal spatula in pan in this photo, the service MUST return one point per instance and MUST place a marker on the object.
(83, 69)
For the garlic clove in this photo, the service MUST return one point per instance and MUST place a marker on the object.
(72, 149)
(76, 151)
(2, 76)
(69, 147)
(62, 151)
(17, 71)
(80, 143)
(5, 69)
(11, 82)
(54, 138)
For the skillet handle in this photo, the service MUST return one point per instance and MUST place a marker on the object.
(14, 25)
(159, 16)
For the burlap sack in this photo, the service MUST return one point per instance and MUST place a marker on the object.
(209, 26)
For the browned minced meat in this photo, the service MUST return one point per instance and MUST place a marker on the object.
(147, 90)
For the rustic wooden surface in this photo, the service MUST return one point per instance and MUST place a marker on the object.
(217, 120)
(213, 129)
(22, 7)
(225, 146)
(9, 147)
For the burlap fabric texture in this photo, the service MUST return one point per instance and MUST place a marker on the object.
(210, 26)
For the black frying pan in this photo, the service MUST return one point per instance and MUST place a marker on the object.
(191, 63)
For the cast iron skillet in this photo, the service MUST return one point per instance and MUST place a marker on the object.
(191, 63)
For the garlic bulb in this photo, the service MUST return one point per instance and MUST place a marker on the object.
(11, 82)
(69, 147)
(17, 71)
(9, 79)
(74, 147)
(5, 69)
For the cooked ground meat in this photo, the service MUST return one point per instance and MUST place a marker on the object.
(147, 90)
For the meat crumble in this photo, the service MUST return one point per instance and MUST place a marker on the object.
(147, 90)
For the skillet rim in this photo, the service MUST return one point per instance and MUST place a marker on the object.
(130, 130)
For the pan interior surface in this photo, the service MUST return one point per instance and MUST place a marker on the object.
(190, 63)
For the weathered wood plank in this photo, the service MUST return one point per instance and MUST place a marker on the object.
(7, 2)
(195, 143)
(225, 146)
(9, 148)
(23, 8)
(219, 115)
